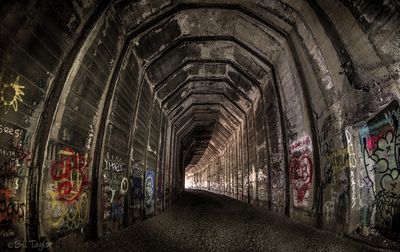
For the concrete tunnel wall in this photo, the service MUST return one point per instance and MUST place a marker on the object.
(109, 107)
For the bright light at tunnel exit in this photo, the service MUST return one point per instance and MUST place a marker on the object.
(188, 182)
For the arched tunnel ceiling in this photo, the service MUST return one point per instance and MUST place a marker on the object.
(198, 56)
(230, 48)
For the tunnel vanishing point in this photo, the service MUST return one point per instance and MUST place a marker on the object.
(109, 109)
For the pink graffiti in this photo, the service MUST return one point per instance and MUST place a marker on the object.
(302, 142)
(301, 167)
(373, 140)
(301, 174)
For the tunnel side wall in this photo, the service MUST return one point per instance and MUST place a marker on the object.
(334, 141)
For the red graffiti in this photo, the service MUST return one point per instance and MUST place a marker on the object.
(70, 174)
(4, 199)
(303, 142)
(9, 209)
(26, 157)
(301, 174)
(372, 140)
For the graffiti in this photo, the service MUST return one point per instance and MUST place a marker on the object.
(113, 183)
(350, 150)
(6, 233)
(114, 180)
(392, 116)
(67, 198)
(301, 170)
(108, 199)
(338, 160)
(353, 189)
(10, 210)
(135, 185)
(10, 131)
(136, 170)
(299, 144)
(329, 206)
(149, 191)
(12, 158)
(335, 208)
(12, 167)
(124, 185)
(373, 140)
(11, 95)
(329, 122)
(66, 215)
(70, 174)
(8, 153)
(380, 139)
(352, 164)
(115, 186)
(113, 163)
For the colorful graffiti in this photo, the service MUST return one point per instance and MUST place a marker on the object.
(67, 198)
(70, 174)
(149, 191)
(10, 210)
(14, 161)
(301, 170)
(67, 215)
(380, 139)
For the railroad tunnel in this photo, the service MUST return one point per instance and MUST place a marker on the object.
(110, 110)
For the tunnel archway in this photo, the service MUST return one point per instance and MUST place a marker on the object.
(286, 105)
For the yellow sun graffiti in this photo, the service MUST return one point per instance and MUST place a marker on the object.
(11, 94)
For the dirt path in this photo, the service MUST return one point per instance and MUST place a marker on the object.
(202, 221)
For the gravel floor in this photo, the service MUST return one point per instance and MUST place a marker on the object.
(202, 221)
